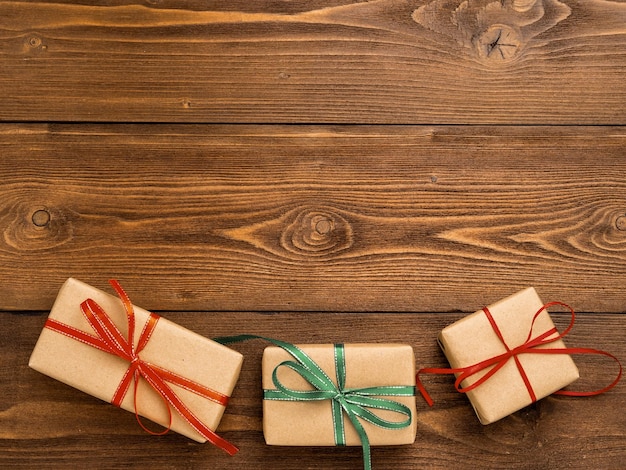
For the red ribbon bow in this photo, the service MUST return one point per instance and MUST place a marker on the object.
(109, 339)
(530, 346)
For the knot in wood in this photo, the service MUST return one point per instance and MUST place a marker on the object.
(41, 218)
(496, 30)
(317, 232)
(499, 43)
(34, 41)
(33, 44)
(323, 225)
(39, 228)
(620, 223)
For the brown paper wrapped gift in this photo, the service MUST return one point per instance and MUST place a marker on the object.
(170, 347)
(473, 339)
(310, 423)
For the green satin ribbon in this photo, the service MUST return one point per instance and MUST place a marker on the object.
(354, 402)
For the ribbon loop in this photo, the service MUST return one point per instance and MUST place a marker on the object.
(109, 339)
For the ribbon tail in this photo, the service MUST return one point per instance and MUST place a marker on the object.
(365, 442)
(138, 416)
(422, 389)
(431, 370)
(236, 339)
(163, 389)
(367, 454)
(123, 387)
(192, 386)
(338, 424)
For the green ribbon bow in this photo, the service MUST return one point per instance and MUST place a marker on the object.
(354, 402)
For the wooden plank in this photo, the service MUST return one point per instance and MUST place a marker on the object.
(45, 424)
(333, 61)
(314, 218)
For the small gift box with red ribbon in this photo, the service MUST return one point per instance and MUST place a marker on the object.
(509, 355)
(125, 355)
(339, 395)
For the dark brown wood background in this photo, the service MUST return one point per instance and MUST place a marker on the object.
(317, 171)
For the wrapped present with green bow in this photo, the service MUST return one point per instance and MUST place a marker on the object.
(339, 395)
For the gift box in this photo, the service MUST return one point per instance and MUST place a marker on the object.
(356, 372)
(200, 373)
(522, 378)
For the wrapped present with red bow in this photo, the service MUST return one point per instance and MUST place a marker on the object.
(509, 355)
(134, 359)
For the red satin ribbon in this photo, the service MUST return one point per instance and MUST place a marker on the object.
(530, 346)
(109, 339)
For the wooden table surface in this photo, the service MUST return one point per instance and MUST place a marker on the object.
(316, 171)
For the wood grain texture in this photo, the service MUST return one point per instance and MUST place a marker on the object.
(316, 171)
(46, 424)
(334, 61)
(314, 218)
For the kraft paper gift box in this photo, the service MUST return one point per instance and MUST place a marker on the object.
(170, 347)
(473, 339)
(310, 423)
